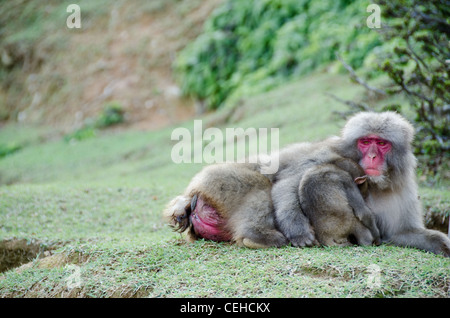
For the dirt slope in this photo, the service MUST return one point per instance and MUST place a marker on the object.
(124, 55)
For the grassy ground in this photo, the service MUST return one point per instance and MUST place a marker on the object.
(92, 211)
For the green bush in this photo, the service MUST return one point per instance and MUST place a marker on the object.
(7, 149)
(251, 46)
(112, 114)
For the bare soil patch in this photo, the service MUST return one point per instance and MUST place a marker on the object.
(15, 252)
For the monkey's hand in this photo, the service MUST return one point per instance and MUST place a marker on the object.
(297, 229)
(304, 239)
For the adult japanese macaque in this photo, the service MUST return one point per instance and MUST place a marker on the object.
(227, 202)
(381, 144)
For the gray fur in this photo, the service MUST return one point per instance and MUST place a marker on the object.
(316, 199)
(331, 199)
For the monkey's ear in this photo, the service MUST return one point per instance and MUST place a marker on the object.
(361, 180)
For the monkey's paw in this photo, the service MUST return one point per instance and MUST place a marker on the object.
(305, 239)
(177, 213)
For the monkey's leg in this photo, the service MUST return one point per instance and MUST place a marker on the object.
(424, 239)
(271, 238)
(254, 222)
(289, 217)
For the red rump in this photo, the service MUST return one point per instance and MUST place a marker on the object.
(207, 223)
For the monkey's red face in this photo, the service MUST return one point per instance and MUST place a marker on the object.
(373, 151)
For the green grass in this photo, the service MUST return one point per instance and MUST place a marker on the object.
(170, 268)
(95, 206)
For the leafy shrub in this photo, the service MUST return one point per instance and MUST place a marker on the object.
(85, 132)
(112, 114)
(7, 149)
(250, 46)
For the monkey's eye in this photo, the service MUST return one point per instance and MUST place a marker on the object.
(365, 142)
(382, 143)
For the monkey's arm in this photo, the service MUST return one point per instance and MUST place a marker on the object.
(289, 216)
(361, 211)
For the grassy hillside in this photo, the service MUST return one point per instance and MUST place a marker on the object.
(88, 216)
